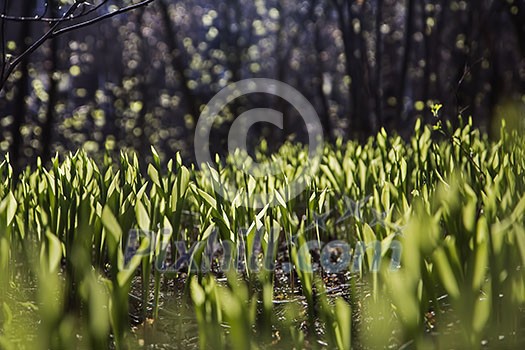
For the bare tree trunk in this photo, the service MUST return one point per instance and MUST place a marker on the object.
(325, 117)
(20, 108)
(518, 19)
(379, 64)
(355, 53)
(362, 89)
(283, 54)
(177, 61)
(405, 60)
(143, 139)
(47, 135)
(436, 43)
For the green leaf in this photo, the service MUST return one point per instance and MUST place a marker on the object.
(279, 198)
(403, 167)
(156, 157)
(446, 274)
(126, 273)
(111, 224)
(12, 205)
(481, 314)
(7, 316)
(54, 251)
(143, 219)
(480, 255)
(330, 175)
(343, 315)
(154, 175)
(197, 293)
(207, 198)
(180, 187)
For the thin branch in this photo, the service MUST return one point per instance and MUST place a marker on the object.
(35, 45)
(100, 18)
(466, 72)
(2, 29)
(4, 15)
(41, 18)
(54, 32)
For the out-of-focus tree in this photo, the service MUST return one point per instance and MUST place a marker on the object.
(16, 51)
(350, 15)
(143, 77)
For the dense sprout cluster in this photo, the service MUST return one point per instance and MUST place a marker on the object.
(72, 278)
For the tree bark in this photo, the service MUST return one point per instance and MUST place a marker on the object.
(379, 64)
(177, 61)
(405, 61)
(19, 103)
(47, 128)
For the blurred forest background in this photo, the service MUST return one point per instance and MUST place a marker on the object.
(141, 77)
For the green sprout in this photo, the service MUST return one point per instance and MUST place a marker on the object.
(435, 109)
